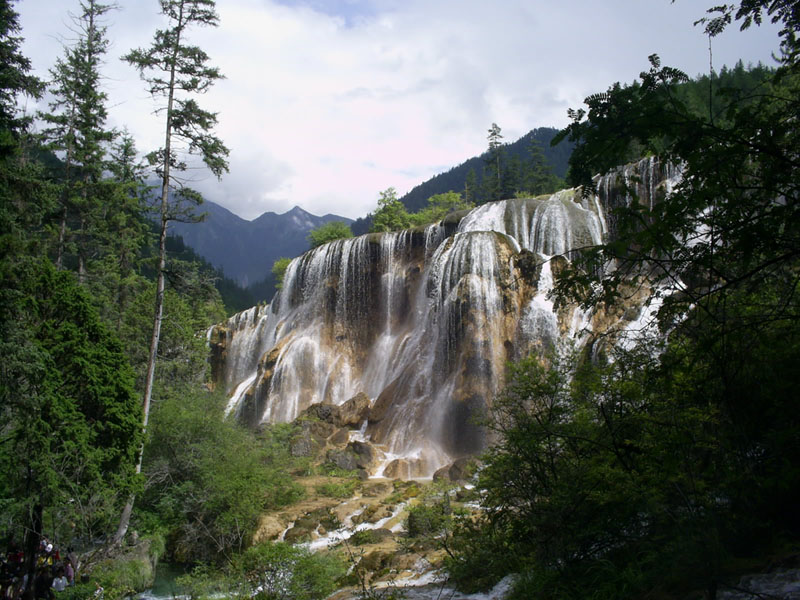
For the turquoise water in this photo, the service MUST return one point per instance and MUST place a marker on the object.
(164, 586)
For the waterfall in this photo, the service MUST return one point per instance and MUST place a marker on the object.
(421, 321)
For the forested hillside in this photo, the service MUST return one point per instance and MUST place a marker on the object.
(529, 165)
(517, 155)
(101, 313)
(246, 250)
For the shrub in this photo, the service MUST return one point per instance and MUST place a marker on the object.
(275, 570)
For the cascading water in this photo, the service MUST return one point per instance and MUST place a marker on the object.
(421, 321)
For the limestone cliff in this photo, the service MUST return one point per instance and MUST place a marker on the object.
(423, 321)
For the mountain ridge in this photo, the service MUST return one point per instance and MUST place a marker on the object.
(237, 246)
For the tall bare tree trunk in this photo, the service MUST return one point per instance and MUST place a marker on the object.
(159, 308)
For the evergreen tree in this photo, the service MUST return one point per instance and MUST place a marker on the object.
(538, 177)
(121, 235)
(512, 179)
(175, 72)
(77, 128)
(471, 189)
(493, 168)
(15, 79)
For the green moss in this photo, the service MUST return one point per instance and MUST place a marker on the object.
(336, 489)
(365, 536)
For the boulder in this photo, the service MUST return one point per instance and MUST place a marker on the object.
(341, 437)
(297, 535)
(366, 456)
(397, 469)
(459, 470)
(375, 489)
(322, 412)
(383, 403)
(269, 528)
(353, 412)
(321, 430)
(303, 444)
(344, 459)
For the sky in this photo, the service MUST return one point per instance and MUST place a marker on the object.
(327, 102)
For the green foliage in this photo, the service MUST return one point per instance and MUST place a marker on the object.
(69, 410)
(204, 582)
(333, 230)
(439, 206)
(493, 169)
(468, 176)
(279, 270)
(538, 178)
(278, 571)
(337, 489)
(363, 537)
(79, 591)
(176, 72)
(122, 578)
(427, 520)
(653, 473)
(15, 78)
(211, 512)
(171, 67)
(391, 215)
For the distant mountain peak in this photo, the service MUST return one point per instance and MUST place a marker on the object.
(245, 250)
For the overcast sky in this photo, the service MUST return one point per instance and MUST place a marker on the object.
(327, 102)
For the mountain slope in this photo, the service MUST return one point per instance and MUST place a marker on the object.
(245, 250)
(557, 157)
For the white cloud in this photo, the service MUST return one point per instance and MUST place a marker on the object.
(327, 103)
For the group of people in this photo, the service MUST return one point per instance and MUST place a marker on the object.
(54, 573)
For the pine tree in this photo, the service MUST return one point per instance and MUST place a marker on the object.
(77, 128)
(175, 72)
(471, 187)
(538, 176)
(493, 177)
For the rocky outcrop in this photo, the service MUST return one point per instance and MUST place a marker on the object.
(411, 331)
(350, 415)
(460, 470)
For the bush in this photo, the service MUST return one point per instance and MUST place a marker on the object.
(333, 230)
(362, 537)
(121, 578)
(189, 441)
(337, 489)
(79, 591)
(275, 570)
(426, 520)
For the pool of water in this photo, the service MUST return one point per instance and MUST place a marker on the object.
(164, 586)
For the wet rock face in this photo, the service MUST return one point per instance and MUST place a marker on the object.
(460, 470)
(343, 459)
(464, 434)
(366, 457)
(411, 330)
(398, 469)
(353, 412)
(218, 351)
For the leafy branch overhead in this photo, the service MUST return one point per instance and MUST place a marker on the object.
(658, 470)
